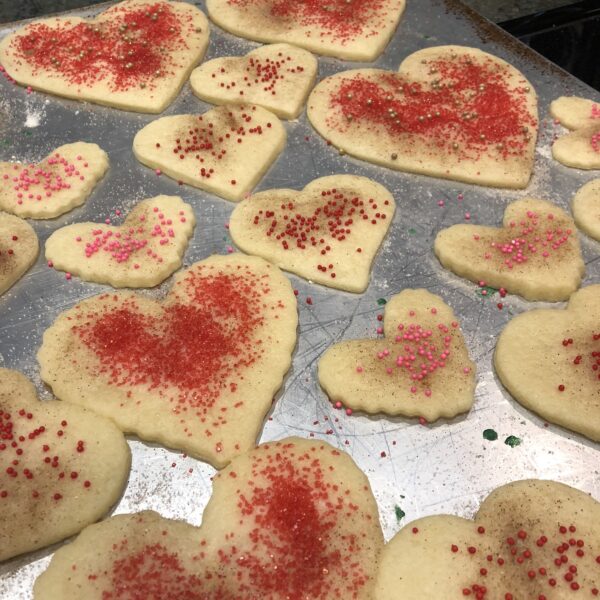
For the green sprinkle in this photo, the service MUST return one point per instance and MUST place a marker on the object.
(512, 441)
(381, 301)
(411, 230)
(400, 514)
(490, 435)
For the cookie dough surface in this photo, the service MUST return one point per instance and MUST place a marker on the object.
(277, 77)
(63, 470)
(328, 233)
(358, 30)
(18, 249)
(421, 368)
(225, 151)
(549, 361)
(294, 507)
(536, 254)
(135, 55)
(59, 183)
(451, 112)
(586, 208)
(142, 252)
(513, 549)
(196, 372)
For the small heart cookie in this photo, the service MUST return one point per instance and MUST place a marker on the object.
(579, 149)
(549, 360)
(196, 372)
(574, 112)
(530, 540)
(586, 208)
(328, 233)
(135, 55)
(277, 77)
(450, 112)
(289, 519)
(536, 253)
(421, 368)
(62, 467)
(225, 151)
(59, 183)
(142, 252)
(348, 29)
(18, 249)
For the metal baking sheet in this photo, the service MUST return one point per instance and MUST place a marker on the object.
(421, 470)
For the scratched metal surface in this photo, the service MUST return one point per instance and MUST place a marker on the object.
(445, 467)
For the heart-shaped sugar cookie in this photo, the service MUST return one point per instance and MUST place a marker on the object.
(348, 29)
(290, 519)
(62, 467)
(530, 540)
(225, 151)
(586, 208)
(574, 112)
(579, 149)
(277, 77)
(536, 253)
(142, 252)
(196, 372)
(59, 183)
(549, 360)
(136, 55)
(421, 368)
(18, 249)
(328, 233)
(450, 112)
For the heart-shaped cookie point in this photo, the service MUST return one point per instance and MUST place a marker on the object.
(62, 467)
(586, 208)
(59, 183)
(277, 77)
(196, 372)
(421, 368)
(290, 519)
(536, 254)
(351, 30)
(549, 361)
(450, 112)
(142, 252)
(18, 249)
(328, 233)
(225, 151)
(530, 539)
(136, 55)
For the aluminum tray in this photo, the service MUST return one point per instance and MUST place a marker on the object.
(420, 470)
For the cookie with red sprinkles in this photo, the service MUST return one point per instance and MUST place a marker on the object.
(225, 151)
(135, 55)
(277, 77)
(197, 371)
(549, 361)
(450, 111)
(290, 519)
(57, 184)
(347, 29)
(328, 233)
(530, 540)
(535, 254)
(142, 252)
(61, 467)
(421, 368)
(18, 249)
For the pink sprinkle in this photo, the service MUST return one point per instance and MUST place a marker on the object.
(441, 203)
(467, 370)
(226, 225)
(229, 249)
(467, 216)
(380, 330)
(348, 411)
(50, 264)
(359, 369)
(338, 404)
(29, 89)
(460, 197)
(158, 172)
(68, 276)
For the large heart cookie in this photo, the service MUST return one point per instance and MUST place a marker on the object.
(225, 151)
(586, 208)
(530, 540)
(277, 77)
(328, 233)
(290, 519)
(349, 29)
(18, 249)
(450, 112)
(59, 183)
(549, 360)
(421, 368)
(536, 253)
(142, 252)
(61, 467)
(136, 55)
(196, 372)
